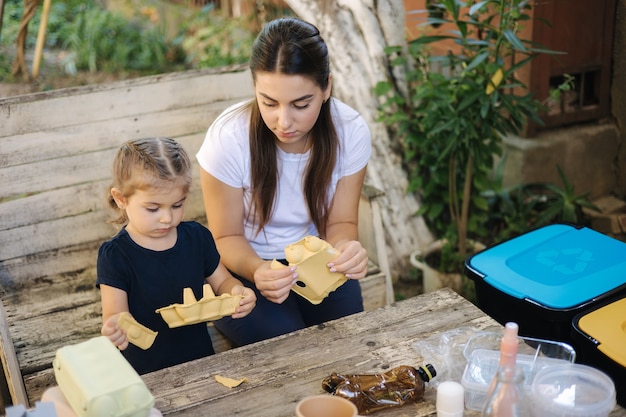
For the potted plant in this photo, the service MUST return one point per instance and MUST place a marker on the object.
(457, 108)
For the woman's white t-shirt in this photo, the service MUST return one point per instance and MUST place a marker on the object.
(225, 154)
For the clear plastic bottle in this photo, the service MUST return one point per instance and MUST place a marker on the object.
(508, 398)
(508, 351)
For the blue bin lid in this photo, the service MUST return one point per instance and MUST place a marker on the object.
(558, 266)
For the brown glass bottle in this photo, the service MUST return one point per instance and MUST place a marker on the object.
(374, 392)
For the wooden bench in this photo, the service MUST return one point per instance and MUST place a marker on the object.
(56, 150)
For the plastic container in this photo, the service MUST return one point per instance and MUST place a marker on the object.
(572, 390)
(600, 337)
(483, 356)
(543, 278)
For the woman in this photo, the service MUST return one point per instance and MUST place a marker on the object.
(287, 164)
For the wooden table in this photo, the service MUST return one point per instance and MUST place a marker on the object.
(283, 370)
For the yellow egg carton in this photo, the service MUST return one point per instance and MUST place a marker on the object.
(97, 381)
(311, 255)
(193, 311)
(137, 334)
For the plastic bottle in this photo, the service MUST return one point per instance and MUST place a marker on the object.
(509, 344)
(371, 393)
(508, 398)
(506, 394)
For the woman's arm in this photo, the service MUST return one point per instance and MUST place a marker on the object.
(224, 211)
(342, 228)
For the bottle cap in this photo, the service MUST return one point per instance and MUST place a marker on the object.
(450, 399)
(426, 372)
(508, 344)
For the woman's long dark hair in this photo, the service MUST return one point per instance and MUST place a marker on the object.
(293, 47)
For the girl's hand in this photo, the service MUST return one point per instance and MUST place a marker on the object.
(275, 284)
(116, 335)
(246, 304)
(351, 261)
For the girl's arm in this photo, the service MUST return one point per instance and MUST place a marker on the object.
(224, 211)
(114, 302)
(223, 282)
(342, 228)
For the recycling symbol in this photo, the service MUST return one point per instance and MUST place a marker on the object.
(566, 261)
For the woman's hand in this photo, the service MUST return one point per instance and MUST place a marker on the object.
(351, 261)
(116, 335)
(275, 284)
(246, 304)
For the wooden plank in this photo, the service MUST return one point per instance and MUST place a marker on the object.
(55, 173)
(37, 382)
(29, 210)
(68, 231)
(42, 321)
(52, 267)
(53, 234)
(86, 198)
(38, 333)
(372, 237)
(374, 290)
(107, 134)
(147, 95)
(10, 365)
(74, 169)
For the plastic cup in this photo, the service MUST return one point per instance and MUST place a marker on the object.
(572, 390)
(325, 405)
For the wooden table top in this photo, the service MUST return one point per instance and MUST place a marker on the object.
(285, 369)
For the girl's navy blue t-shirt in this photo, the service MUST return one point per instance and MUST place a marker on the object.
(155, 279)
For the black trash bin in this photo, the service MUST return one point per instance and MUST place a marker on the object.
(544, 278)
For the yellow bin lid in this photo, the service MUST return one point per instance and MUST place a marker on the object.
(608, 326)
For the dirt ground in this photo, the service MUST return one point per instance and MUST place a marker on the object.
(52, 76)
(52, 82)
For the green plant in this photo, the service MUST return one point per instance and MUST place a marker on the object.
(561, 204)
(102, 40)
(96, 39)
(523, 207)
(212, 39)
(452, 121)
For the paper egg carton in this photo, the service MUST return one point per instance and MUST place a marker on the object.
(192, 311)
(311, 255)
(97, 381)
(137, 334)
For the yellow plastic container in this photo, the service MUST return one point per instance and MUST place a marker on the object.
(601, 341)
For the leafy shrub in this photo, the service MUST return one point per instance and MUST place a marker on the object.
(102, 40)
(96, 39)
(211, 39)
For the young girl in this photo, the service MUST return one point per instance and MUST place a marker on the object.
(287, 164)
(156, 255)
